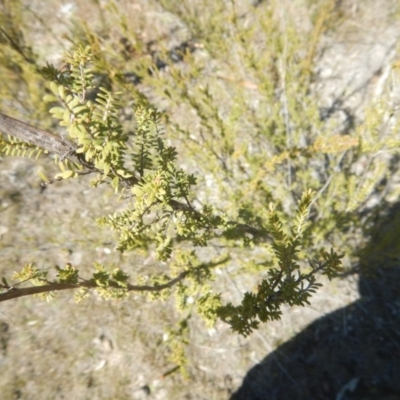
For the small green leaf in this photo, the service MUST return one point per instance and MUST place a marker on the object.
(115, 184)
(42, 175)
(61, 92)
(57, 112)
(49, 98)
(66, 174)
(54, 88)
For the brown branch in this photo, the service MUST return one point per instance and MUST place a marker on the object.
(40, 138)
(14, 293)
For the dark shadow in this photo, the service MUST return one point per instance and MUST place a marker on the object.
(352, 353)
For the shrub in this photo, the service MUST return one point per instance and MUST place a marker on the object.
(255, 182)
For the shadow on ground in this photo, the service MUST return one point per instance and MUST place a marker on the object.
(352, 353)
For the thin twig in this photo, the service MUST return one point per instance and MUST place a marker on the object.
(14, 293)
